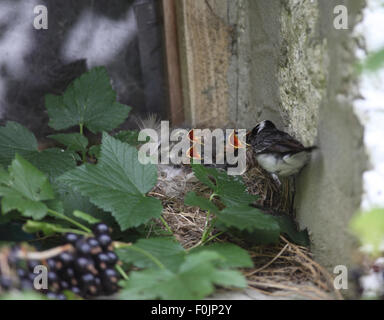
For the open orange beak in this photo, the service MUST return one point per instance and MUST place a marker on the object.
(193, 154)
(192, 138)
(235, 142)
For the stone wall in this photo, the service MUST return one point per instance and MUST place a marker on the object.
(292, 66)
(288, 63)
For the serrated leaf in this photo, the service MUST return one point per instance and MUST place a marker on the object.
(69, 200)
(167, 251)
(53, 162)
(193, 200)
(25, 189)
(129, 136)
(28, 208)
(233, 255)
(261, 226)
(230, 189)
(14, 138)
(247, 218)
(47, 228)
(73, 141)
(195, 279)
(29, 181)
(85, 216)
(89, 100)
(118, 183)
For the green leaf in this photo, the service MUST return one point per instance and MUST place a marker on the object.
(95, 151)
(374, 61)
(14, 138)
(85, 216)
(194, 280)
(70, 200)
(53, 162)
(29, 181)
(89, 100)
(118, 183)
(142, 254)
(22, 295)
(193, 200)
(262, 226)
(47, 228)
(233, 255)
(229, 278)
(129, 136)
(28, 208)
(369, 228)
(230, 189)
(73, 141)
(25, 189)
(71, 296)
(288, 227)
(247, 218)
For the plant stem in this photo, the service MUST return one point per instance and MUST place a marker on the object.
(43, 255)
(64, 217)
(81, 125)
(81, 128)
(212, 196)
(149, 255)
(213, 237)
(206, 229)
(166, 225)
(156, 261)
(122, 272)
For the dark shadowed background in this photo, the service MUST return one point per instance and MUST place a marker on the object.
(123, 35)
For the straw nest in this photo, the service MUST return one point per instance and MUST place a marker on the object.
(282, 269)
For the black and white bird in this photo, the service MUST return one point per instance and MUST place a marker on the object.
(276, 151)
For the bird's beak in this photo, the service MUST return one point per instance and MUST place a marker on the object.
(235, 142)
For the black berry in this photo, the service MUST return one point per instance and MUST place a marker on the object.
(100, 228)
(104, 240)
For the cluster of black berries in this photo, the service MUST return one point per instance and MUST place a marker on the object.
(86, 267)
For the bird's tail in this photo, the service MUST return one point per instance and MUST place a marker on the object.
(309, 149)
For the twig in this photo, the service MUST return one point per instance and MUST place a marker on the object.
(44, 255)
(270, 262)
(122, 272)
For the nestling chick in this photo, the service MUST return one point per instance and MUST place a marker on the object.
(172, 180)
(276, 151)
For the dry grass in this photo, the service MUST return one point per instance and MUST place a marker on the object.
(280, 269)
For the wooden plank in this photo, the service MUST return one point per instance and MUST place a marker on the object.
(205, 40)
(176, 111)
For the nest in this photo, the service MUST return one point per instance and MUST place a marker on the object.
(283, 269)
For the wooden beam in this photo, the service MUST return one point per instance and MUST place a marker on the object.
(205, 41)
(176, 111)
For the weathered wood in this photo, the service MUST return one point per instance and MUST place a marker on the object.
(205, 41)
(176, 111)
